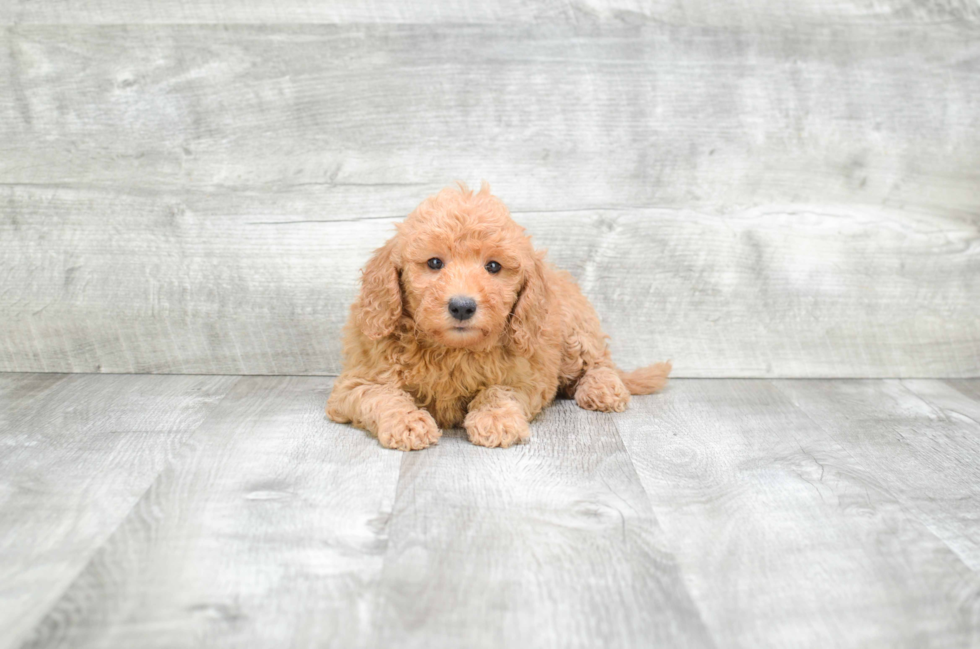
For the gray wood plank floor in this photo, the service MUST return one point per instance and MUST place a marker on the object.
(199, 511)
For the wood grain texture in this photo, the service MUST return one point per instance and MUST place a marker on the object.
(720, 513)
(923, 454)
(164, 284)
(269, 532)
(704, 12)
(77, 453)
(787, 537)
(555, 117)
(969, 388)
(959, 400)
(549, 544)
(750, 202)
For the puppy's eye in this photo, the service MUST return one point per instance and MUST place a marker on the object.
(493, 267)
(435, 263)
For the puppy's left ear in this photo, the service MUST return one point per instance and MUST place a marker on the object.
(379, 305)
(528, 319)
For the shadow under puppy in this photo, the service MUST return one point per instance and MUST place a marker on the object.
(461, 321)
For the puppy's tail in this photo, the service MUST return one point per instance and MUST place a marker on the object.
(646, 380)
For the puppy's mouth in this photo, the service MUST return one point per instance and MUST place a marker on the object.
(462, 335)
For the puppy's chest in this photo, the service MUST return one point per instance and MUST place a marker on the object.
(445, 384)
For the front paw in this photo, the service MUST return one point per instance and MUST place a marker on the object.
(408, 431)
(601, 389)
(502, 426)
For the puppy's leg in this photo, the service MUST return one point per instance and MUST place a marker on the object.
(498, 416)
(385, 410)
(587, 369)
(600, 388)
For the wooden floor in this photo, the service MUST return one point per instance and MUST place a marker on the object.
(206, 511)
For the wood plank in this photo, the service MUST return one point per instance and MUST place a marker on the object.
(152, 288)
(705, 12)
(78, 452)
(18, 393)
(549, 544)
(775, 291)
(270, 533)
(784, 536)
(921, 453)
(65, 12)
(967, 387)
(958, 399)
(554, 116)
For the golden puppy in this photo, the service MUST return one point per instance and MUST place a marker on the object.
(460, 321)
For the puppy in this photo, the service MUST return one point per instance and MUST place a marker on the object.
(460, 321)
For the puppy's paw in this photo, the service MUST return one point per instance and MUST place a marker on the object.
(408, 431)
(502, 426)
(336, 414)
(602, 389)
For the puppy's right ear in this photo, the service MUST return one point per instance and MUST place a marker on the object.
(528, 318)
(379, 305)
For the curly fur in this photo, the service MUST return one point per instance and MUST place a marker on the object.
(411, 369)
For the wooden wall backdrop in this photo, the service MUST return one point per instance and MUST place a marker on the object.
(773, 188)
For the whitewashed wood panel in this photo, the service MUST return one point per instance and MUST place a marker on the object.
(555, 117)
(196, 284)
(76, 454)
(548, 544)
(270, 532)
(786, 537)
(704, 12)
(747, 202)
(924, 455)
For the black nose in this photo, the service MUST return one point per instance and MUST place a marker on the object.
(462, 308)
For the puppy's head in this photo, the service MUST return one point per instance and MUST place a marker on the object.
(462, 270)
